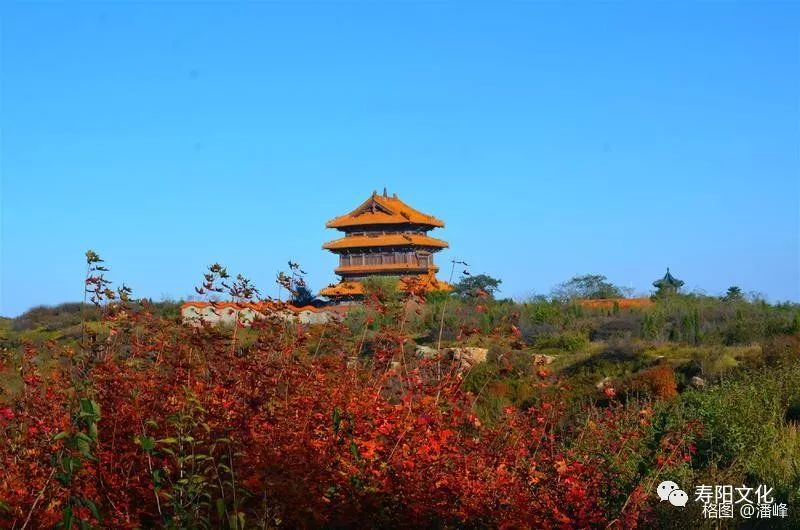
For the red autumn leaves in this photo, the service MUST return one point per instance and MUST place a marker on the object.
(310, 440)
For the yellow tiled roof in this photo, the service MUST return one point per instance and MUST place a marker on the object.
(385, 210)
(343, 289)
(356, 288)
(389, 240)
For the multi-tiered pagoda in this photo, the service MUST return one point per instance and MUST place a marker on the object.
(384, 237)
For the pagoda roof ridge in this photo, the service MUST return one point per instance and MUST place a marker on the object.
(382, 209)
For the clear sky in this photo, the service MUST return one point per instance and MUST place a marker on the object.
(553, 139)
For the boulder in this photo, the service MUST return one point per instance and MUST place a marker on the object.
(467, 356)
(541, 359)
(426, 352)
(697, 382)
(604, 382)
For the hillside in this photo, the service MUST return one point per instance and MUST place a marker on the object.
(573, 417)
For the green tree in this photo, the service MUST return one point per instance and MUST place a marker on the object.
(588, 286)
(385, 289)
(302, 296)
(477, 285)
(795, 326)
(734, 294)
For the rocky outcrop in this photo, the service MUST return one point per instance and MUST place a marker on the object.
(468, 355)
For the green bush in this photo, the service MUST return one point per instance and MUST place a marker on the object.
(742, 417)
(782, 351)
(53, 318)
(615, 361)
(569, 342)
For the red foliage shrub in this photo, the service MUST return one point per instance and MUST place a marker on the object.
(657, 381)
(196, 431)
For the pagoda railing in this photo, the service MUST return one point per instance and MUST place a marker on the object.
(386, 258)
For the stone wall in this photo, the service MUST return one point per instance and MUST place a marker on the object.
(227, 313)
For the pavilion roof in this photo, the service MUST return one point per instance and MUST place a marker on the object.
(382, 209)
(388, 240)
(668, 281)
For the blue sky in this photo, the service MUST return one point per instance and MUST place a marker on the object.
(553, 139)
